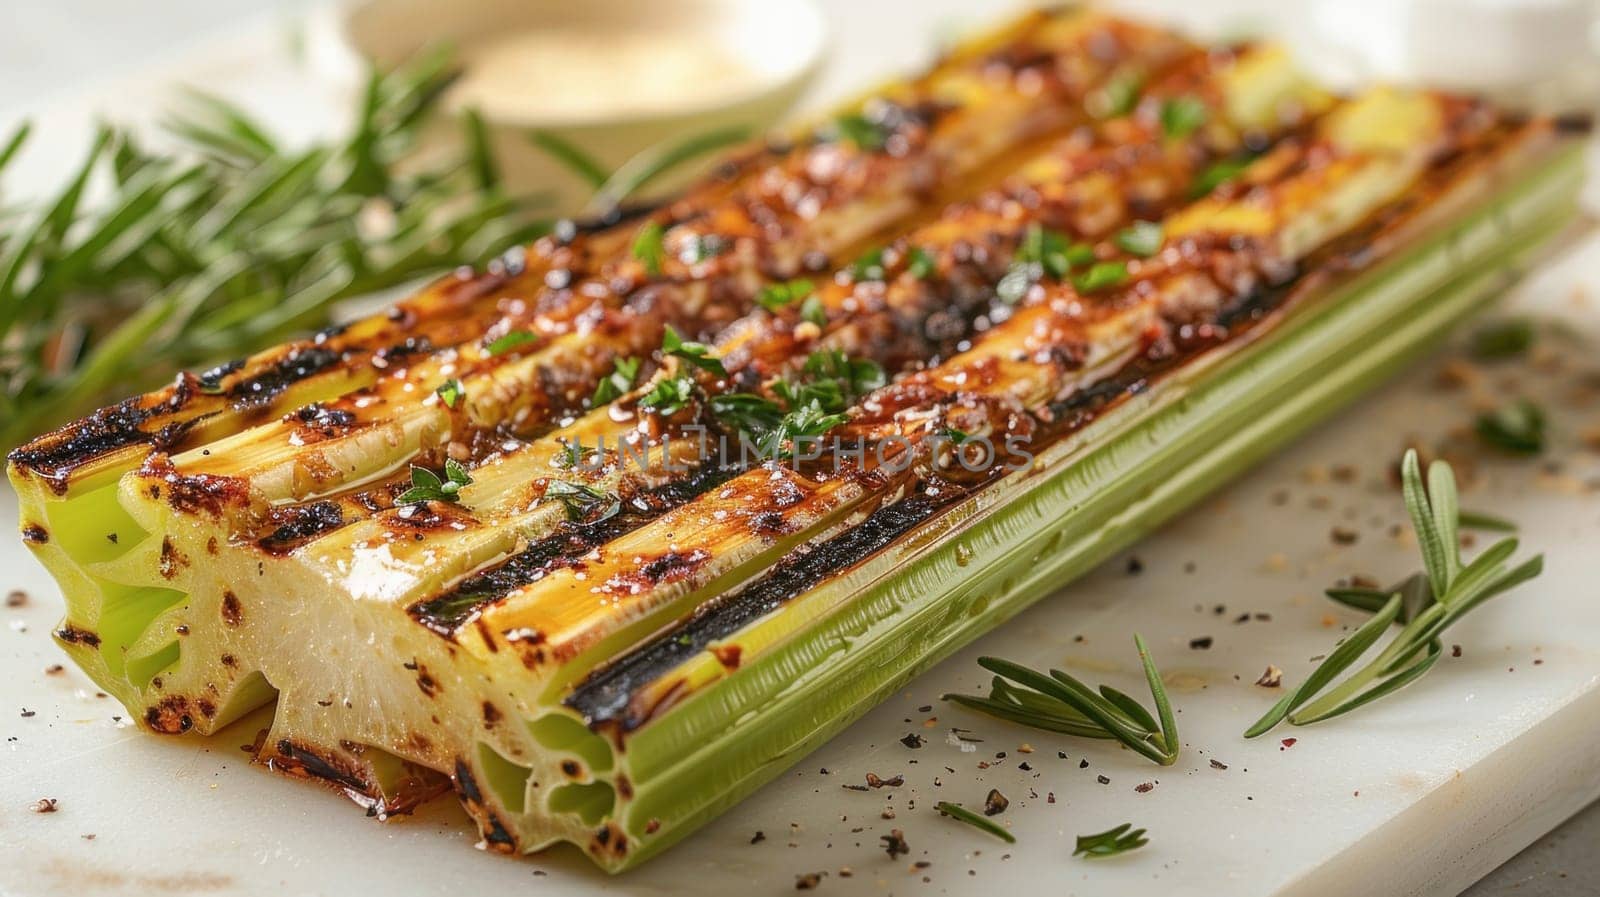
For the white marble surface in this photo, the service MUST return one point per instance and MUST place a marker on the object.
(1422, 795)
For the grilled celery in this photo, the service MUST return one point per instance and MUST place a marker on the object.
(608, 655)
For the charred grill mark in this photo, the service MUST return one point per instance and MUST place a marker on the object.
(446, 614)
(232, 612)
(172, 560)
(296, 759)
(299, 363)
(194, 493)
(491, 715)
(299, 524)
(55, 456)
(170, 716)
(425, 681)
(318, 422)
(606, 696)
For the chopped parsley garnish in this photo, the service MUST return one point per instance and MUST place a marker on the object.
(585, 504)
(920, 263)
(1042, 251)
(697, 354)
(669, 396)
(516, 339)
(703, 247)
(775, 296)
(869, 266)
(428, 486)
(624, 371)
(957, 437)
(450, 392)
(1517, 428)
(1182, 116)
(1141, 238)
(812, 311)
(1103, 275)
(865, 133)
(1216, 175)
(1120, 95)
(648, 247)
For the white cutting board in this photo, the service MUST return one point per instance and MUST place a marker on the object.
(1420, 795)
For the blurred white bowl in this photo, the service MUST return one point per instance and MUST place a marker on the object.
(772, 48)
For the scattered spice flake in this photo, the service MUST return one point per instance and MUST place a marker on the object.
(1272, 678)
(1288, 743)
(1202, 643)
(54, 669)
(16, 598)
(1144, 787)
(26, 713)
(892, 782)
(1455, 650)
(1344, 536)
(1135, 566)
(995, 803)
(807, 881)
(1025, 748)
(1103, 779)
(45, 805)
(912, 740)
(758, 837)
(1050, 797)
(1218, 764)
(894, 843)
(846, 872)
(888, 813)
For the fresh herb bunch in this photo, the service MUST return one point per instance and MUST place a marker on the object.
(1058, 702)
(1427, 603)
(229, 242)
(234, 240)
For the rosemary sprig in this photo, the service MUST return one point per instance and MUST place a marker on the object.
(1111, 842)
(962, 814)
(1058, 702)
(1427, 603)
(429, 486)
(232, 240)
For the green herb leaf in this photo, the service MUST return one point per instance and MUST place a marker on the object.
(957, 437)
(624, 371)
(984, 823)
(866, 134)
(1427, 603)
(1058, 702)
(1217, 174)
(775, 296)
(1480, 520)
(1119, 96)
(813, 311)
(428, 486)
(1516, 428)
(697, 354)
(1142, 238)
(1182, 116)
(654, 162)
(450, 392)
(869, 266)
(516, 339)
(1101, 276)
(1507, 338)
(648, 248)
(584, 504)
(669, 396)
(1121, 839)
(572, 156)
(920, 263)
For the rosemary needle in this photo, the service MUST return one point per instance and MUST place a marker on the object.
(1111, 842)
(1426, 604)
(958, 812)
